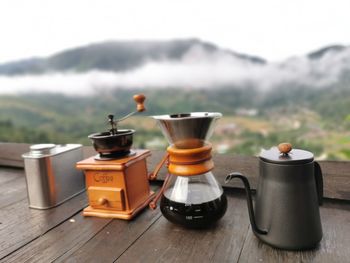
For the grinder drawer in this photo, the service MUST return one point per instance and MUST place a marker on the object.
(106, 198)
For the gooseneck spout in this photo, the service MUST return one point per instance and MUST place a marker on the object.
(245, 181)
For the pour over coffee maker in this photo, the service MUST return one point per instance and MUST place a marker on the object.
(190, 195)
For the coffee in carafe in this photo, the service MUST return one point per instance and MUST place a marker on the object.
(195, 201)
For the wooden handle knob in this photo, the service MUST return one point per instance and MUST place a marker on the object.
(153, 205)
(102, 201)
(139, 99)
(285, 147)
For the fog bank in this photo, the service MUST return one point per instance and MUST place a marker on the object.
(196, 69)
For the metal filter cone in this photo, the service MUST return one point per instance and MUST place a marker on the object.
(188, 130)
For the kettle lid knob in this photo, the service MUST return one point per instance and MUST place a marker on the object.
(285, 148)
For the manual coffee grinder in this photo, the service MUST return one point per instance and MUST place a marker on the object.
(116, 178)
(190, 195)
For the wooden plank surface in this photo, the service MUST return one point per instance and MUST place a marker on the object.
(19, 224)
(336, 177)
(69, 235)
(166, 242)
(12, 192)
(62, 234)
(336, 235)
(113, 240)
(85, 239)
(11, 154)
(8, 174)
(12, 186)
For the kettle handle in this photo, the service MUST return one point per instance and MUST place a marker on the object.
(319, 182)
(245, 181)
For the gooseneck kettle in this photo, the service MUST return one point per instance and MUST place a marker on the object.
(289, 192)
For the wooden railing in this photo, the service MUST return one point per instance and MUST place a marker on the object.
(336, 174)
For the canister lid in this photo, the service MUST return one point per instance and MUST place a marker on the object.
(284, 154)
(38, 149)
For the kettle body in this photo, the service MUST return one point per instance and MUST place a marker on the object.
(288, 195)
(287, 206)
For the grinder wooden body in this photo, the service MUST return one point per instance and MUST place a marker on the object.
(117, 188)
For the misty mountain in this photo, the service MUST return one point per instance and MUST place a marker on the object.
(188, 63)
(318, 54)
(117, 56)
(65, 97)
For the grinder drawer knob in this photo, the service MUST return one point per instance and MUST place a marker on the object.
(102, 201)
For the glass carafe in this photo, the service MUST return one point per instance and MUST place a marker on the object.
(190, 195)
(194, 201)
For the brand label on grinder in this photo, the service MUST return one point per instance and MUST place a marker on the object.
(103, 178)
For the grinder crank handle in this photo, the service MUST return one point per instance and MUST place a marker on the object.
(140, 107)
(139, 99)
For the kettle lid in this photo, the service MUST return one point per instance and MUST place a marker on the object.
(284, 154)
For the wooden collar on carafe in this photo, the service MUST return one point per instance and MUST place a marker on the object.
(187, 162)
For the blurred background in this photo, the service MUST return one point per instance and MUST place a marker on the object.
(277, 70)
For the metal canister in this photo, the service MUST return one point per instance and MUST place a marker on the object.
(51, 176)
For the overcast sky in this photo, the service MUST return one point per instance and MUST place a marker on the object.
(273, 29)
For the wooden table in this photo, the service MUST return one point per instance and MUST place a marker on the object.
(62, 234)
